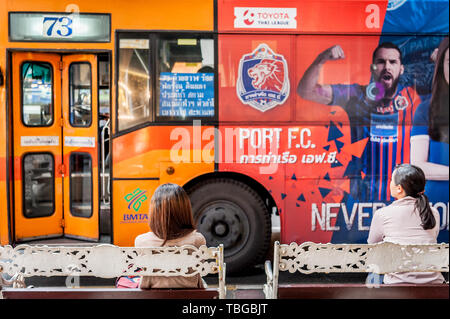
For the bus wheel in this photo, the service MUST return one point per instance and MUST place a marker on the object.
(229, 212)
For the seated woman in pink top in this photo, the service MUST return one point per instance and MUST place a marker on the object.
(408, 220)
(172, 224)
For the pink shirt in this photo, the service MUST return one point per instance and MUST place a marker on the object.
(151, 240)
(399, 223)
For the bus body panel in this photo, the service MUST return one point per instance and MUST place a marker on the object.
(147, 158)
(159, 16)
(311, 158)
(324, 202)
(25, 165)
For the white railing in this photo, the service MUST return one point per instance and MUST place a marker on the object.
(109, 261)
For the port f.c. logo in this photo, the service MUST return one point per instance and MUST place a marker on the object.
(263, 80)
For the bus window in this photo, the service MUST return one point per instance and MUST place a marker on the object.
(186, 78)
(80, 88)
(134, 90)
(103, 87)
(37, 104)
(38, 185)
(81, 185)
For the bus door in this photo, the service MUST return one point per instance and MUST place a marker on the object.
(55, 149)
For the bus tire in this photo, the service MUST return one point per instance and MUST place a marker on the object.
(231, 213)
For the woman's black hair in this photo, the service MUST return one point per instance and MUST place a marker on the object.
(412, 179)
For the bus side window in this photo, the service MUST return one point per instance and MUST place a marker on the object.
(186, 78)
(80, 88)
(134, 85)
(37, 89)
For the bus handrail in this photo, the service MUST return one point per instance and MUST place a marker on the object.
(104, 191)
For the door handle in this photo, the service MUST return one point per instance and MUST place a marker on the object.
(62, 170)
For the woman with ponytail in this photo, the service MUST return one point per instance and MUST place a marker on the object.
(172, 224)
(408, 220)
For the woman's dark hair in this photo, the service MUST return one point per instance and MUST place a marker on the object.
(439, 108)
(412, 179)
(170, 212)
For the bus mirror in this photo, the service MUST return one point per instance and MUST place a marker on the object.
(1, 77)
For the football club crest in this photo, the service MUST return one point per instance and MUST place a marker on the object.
(401, 103)
(263, 81)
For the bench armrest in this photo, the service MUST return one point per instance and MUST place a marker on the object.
(221, 271)
(268, 287)
(271, 287)
(268, 269)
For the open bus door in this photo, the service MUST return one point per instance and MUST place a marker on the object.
(55, 146)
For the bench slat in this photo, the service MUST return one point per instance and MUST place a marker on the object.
(361, 291)
(107, 293)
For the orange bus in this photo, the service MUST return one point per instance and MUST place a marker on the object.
(102, 102)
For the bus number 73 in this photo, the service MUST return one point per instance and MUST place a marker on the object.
(57, 26)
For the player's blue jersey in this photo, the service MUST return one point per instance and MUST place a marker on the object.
(387, 125)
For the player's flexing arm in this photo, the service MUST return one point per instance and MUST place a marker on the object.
(308, 87)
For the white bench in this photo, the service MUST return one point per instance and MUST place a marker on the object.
(109, 261)
(378, 258)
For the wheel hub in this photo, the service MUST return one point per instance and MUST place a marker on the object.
(221, 229)
(224, 223)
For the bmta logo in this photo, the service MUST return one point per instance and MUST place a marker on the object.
(263, 80)
(135, 199)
